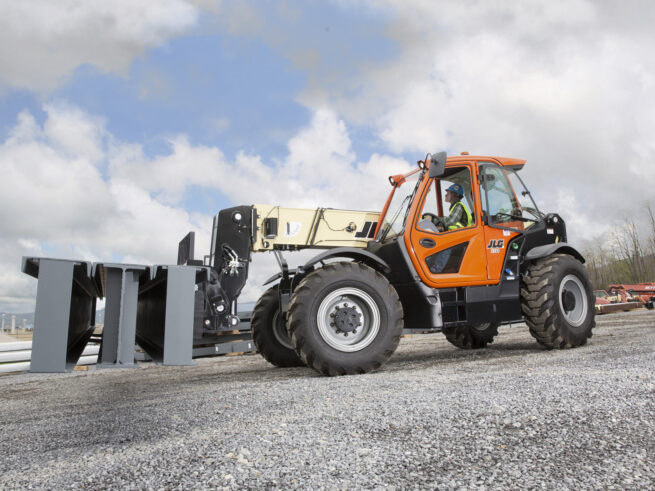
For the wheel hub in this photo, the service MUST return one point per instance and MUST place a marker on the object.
(568, 300)
(346, 318)
(573, 300)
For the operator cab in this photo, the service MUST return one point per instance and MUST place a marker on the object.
(469, 258)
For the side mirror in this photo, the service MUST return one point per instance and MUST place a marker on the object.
(437, 164)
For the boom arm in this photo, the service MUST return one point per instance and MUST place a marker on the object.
(318, 228)
(242, 230)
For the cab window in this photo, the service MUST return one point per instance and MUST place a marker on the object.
(499, 202)
(454, 193)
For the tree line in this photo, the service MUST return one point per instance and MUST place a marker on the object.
(628, 257)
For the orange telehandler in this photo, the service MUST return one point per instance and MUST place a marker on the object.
(409, 267)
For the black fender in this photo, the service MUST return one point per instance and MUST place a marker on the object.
(549, 249)
(359, 255)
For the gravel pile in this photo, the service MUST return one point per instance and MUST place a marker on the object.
(434, 417)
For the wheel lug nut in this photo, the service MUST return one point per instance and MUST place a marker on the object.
(332, 314)
(332, 324)
(354, 331)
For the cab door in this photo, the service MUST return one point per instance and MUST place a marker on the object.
(499, 202)
(455, 257)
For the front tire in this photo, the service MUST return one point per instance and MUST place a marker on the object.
(472, 337)
(558, 302)
(270, 334)
(345, 318)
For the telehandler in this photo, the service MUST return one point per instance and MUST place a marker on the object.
(343, 312)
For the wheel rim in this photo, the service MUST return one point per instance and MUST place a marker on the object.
(348, 319)
(280, 331)
(573, 300)
(481, 327)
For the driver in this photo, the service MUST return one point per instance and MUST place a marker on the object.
(458, 215)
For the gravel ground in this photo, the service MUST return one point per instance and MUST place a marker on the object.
(513, 415)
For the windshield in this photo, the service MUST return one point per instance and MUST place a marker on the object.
(394, 220)
(528, 207)
(506, 201)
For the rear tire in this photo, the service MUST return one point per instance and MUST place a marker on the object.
(345, 318)
(472, 337)
(558, 302)
(270, 334)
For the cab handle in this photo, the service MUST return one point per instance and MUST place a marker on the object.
(427, 243)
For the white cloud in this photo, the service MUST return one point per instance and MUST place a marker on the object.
(320, 169)
(171, 174)
(565, 84)
(55, 200)
(48, 187)
(74, 133)
(70, 189)
(18, 290)
(42, 42)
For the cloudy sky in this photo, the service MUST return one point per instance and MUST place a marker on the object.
(126, 124)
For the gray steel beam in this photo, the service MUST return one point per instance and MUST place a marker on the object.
(65, 302)
(120, 284)
(180, 301)
(164, 327)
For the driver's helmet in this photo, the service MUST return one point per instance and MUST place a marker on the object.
(457, 189)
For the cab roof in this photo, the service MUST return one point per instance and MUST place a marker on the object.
(515, 164)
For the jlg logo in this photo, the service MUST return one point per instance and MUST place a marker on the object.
(368, 231)
(496, 244)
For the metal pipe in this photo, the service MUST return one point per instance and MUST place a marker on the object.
(16, 346)
(26, 355)
(14, 356)
(25, 365)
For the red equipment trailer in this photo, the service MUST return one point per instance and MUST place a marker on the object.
(643, 292)
(606, 303)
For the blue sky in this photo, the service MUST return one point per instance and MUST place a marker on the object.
(230, 89)
(235, 91)
(125, 124)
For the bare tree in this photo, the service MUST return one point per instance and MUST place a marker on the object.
(629, 252)
(598, 262)
(650, 247)
(651, 219)
(629, 257)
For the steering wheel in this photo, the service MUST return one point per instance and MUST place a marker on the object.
(438, 221)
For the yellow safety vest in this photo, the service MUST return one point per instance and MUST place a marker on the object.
(469, 218)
